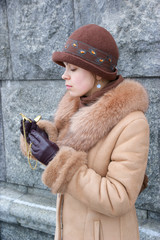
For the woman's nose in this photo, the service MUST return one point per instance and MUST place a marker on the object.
(65, 76)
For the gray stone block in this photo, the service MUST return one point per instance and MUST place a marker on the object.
(134, 25)
(15, 232)
(154, 215)
(2, 156)
(35, 212)
(35, 98)
(141, 214)
(150, 198)
(37, 28)
(42, 193)
(5, 63)
(149, 230)
(145, 214)
(28, 210)
(14, 187)
(6, 197)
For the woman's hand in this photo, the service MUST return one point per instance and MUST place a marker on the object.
(29, 126)
(42, 149)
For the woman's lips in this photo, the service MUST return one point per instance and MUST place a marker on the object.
(68, 86)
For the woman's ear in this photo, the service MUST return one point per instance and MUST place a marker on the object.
(98, 77)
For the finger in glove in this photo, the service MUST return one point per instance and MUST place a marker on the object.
(29, 126)
(42, 149)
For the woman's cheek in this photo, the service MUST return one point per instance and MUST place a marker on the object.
(78, 80)
(83, 87)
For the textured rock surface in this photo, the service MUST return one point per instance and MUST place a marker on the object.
(37, 28)
(15, 232)
(2, 157)
(149, 230)
(32, 100)
(5, 63)
(28, 210)
(134, 25)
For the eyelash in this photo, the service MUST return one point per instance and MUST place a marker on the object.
(74, 69)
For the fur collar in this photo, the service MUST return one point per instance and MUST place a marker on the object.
(87, 125)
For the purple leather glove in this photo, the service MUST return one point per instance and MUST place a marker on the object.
(29, 126)
(42, 149)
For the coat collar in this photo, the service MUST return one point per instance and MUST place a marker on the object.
(87, 125)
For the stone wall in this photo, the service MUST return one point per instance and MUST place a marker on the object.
(30, 30)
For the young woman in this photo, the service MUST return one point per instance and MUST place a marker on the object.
(96, 150)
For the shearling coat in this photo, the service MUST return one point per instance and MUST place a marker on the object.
(99, 169)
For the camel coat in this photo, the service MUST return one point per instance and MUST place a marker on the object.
(99, 169)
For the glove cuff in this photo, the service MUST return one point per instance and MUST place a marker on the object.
(51, 157)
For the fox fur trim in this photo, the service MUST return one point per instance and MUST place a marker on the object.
(91, 123)
(61, 169)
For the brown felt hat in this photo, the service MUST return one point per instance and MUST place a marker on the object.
(93, 48)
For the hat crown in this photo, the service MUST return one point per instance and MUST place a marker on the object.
(96, 37)
(93, 48)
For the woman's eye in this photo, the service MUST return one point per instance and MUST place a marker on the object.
(73, 69)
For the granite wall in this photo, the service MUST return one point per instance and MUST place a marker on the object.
(30, 30)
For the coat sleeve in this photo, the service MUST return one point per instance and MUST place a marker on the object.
(48, 127)
(116, 193)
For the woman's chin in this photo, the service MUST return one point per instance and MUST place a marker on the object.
(73, 94)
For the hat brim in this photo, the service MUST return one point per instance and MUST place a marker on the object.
(61, 57)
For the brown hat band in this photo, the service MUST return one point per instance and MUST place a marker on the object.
(90, 54)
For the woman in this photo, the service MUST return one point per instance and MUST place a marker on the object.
(97, 148)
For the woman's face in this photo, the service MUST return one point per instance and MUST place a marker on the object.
(78, 81)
